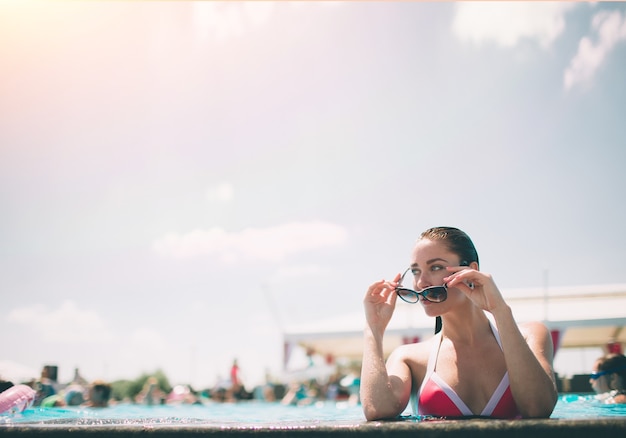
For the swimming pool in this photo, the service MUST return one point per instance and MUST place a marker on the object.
(574, 416)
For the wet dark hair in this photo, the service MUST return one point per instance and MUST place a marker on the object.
(5, 384)
(457, 242)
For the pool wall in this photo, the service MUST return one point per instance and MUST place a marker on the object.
(552, 428)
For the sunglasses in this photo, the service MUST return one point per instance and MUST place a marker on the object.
(596, 376)
(434, 294)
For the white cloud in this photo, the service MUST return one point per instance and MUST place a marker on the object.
(269, 244)
(67, 324)
(222, 192)
(609, 29)
(506, 24)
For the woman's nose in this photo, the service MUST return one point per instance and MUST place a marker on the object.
(423, 282)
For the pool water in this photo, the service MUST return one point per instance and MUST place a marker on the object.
(256, 414)
(250, 413)
(586, 406)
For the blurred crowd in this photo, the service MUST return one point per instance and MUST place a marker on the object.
(607, 380)
(78, 392)
(155, 390)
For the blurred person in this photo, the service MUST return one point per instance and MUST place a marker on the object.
(99, 394)
(235, 377)
(46, 386)
(74, 395)
(151, 393)
(183, 394)
(608, 379)
(302, 394)
(53, 401)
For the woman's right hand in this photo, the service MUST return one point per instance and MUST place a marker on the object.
(379, 303)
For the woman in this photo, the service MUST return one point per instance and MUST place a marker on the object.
(609, 378)
(472, 367)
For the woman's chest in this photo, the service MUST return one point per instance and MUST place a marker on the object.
(473, 373)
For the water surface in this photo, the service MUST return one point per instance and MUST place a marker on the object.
(256, 414)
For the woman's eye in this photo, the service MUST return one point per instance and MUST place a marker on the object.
(436, 268)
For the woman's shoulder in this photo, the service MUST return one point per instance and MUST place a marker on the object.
(414, 353)
(537, 335)
(413, 356)
(533, 328)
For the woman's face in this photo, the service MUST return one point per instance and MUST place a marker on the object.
(428, 264)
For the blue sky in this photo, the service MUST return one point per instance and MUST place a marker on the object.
(181, 181)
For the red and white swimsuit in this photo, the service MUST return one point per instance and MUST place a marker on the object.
(437, 398)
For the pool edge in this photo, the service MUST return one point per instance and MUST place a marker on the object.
(552, 428)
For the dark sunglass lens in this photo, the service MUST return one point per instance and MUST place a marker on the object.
(436, 294)
(407, 295)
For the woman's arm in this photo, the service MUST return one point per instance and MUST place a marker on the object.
(528, 357)
(529, 363)
(385, 388)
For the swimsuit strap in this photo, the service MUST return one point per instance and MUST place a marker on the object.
(432, 364)
(434, 349)
(430, 368)
(496, 334)
(436, 346)
(434, 354)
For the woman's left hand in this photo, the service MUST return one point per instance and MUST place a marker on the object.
(478, 286)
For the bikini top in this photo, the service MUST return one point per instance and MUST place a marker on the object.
(437, 398)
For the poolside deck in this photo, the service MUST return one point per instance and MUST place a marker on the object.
(553, 428)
